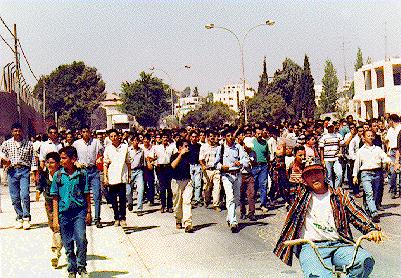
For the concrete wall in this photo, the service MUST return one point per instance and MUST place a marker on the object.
(32, 121)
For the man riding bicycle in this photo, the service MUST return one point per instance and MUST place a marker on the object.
(323, 215)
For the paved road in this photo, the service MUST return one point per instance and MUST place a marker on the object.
(152, 247)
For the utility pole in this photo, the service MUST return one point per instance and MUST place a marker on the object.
(17, 69)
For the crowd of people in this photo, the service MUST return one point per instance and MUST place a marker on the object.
(218, 168)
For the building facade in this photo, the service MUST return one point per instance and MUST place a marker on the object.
(378, 89)
(233, 94)
(116, 118)
(187, 104)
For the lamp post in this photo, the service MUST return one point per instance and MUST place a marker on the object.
(170, 80)
(241, 48)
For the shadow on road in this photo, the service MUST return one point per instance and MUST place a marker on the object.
(96, 258)
(134, 229)
(39, 225)
(263, 216)
(390, 206)
(201, 226)
(244, 225)
(387, 214)
(149, 211)
(106, 274)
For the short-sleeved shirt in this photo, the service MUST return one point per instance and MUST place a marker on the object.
(208, 154)
(70, 189)
(182, 171)
(261, 150)
(48, 147)
(331, 142)
(88, 151)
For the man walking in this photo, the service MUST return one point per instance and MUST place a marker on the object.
(136, 158)
(195, 169)
(17, 153)
(89, 149)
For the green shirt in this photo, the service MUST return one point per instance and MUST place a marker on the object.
(261, 150)
(70, 189)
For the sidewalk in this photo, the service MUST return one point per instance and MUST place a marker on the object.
(27, 253)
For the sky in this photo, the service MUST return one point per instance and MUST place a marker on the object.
(123, 38)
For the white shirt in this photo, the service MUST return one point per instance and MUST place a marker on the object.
(319, 221)
(353, 147)
(369, 158)
(391, 136)
(117, 159)
(163, 154)
(272, 145)
(208, 154)
(48, 147)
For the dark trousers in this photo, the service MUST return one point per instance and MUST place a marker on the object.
(73, 232)
(149, 179)
(247, 191)
(118, 198)
(350, 169)
(279, 185)
(166, 195)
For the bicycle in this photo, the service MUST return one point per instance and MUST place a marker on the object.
(336, 270)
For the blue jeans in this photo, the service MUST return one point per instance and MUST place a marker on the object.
(339, 256)
(260, 173)
(392, 177)
(232, 187)
(196, 177)
(73, 230)
(149, 180)
(371, 182)
(334, 168)
(94, 185)
(18, 183)
(136, 179)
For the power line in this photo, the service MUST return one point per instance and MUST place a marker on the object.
(26, 60)
(7, 44)
(9, 30)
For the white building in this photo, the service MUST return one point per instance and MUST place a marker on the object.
(378, 89)
(318, 93)
(187, 104)
(116, 118)
(233, 94)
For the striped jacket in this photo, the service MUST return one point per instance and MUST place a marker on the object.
(345, 211)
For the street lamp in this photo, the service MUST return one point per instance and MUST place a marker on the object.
(268, 22)
(170, 80)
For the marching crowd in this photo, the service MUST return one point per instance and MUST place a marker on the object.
(222, 168)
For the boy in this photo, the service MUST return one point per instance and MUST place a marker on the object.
(71, 207)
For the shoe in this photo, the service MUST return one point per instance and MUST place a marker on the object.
(123, 223)
(393, 195)
(195, 204)
(251, 217)
(178, 224)
(234, 228)
(98, 224)
(140, 213)
(189, 229)
(82, 272)
(116, 223)
(170, 210)
(376, 218)
(379, 208)
(72, 275)
(130, 207)
(54, 262)
(151, 204)
(218, 209)
(228, 223)
(359, 195)
(163, 210)
(26, 225)
(19, 224)
(243, 216)
(264, 209)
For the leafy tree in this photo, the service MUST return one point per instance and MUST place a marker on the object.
(209, 97)
(263, 86)
(268, 108)
(330, 84)
(359, 60)
(146, 99)
(368, 60)
(195, 92)
(308, 91)
(74, 91)
(214, 114)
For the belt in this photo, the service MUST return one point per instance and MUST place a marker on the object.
(261, 163)
(18, 166)
(372, 170)
(137, 168)
(163, 166)
(233, 172)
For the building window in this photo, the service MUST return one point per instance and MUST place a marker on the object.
(230, 98)
(381, 107)
(397, 75)
(368, 80)
(380, 77)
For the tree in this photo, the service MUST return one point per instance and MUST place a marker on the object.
(195, 92)
(186, 92)
(368, 60)
(263, 86)
(359, 60)
(330, 84)
(214, 114)
(146, 99)
(74, 91)
(268, 108)
(209, 97)
(308, 91)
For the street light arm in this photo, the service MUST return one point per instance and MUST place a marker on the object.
(250, 30)
(235, 35)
